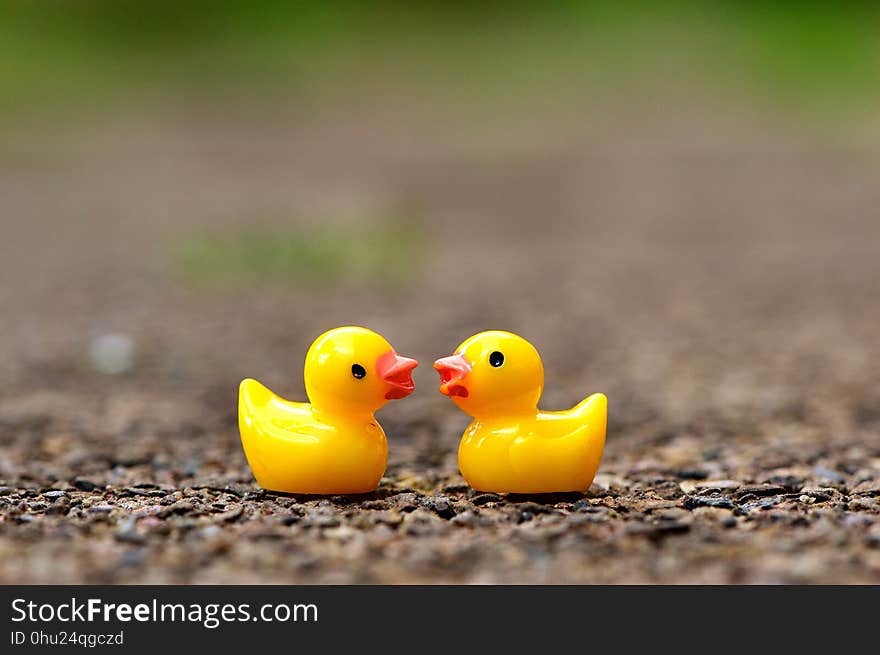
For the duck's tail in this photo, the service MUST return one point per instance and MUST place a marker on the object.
(594, 408)
(251, 396)
(593, 411)
(253, 392)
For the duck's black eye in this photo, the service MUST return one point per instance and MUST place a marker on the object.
(496, 359)
(358, 371)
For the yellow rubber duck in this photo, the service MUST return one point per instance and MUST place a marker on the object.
(333, 445)
(511, 446)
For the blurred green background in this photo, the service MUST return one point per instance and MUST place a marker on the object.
(94, 55)
(73, 71)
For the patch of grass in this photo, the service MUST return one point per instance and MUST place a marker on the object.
(384, 253)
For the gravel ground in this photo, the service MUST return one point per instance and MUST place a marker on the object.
(718, 283)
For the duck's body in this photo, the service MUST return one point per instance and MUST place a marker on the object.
(511, 446)
(294, 448)
(333, 445)
(538, 453)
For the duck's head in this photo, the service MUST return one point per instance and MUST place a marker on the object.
(493, 373)
(353, 370)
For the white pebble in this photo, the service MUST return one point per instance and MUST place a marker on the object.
(112, 354)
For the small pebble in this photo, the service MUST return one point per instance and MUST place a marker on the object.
(101, 509)
(708, 501)
(828, 474)
(83, 484)
(762, 504)
(112, 354)
(724, 485)
(484, 499)
(128, 533)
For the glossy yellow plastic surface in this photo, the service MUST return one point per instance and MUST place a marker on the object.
(333, 445)
(511, 446)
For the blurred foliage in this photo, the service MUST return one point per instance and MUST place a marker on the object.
(374, 250)
(58, 56)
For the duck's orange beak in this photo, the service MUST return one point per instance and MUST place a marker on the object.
(397, 372)
(452, 371)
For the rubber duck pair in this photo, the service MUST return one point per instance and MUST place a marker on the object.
(334, 445)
